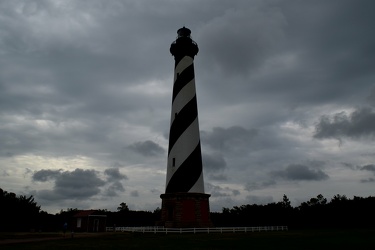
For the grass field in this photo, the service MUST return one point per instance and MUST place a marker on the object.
(303, 239)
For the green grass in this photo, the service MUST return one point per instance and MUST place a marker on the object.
(21, 236)
(303, 239)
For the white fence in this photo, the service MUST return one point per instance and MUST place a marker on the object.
(197, 230)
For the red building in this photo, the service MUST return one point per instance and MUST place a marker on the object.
(89, 221)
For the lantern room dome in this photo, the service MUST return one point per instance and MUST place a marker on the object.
(183, 32)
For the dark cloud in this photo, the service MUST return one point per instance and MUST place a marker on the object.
(79, 183)
(239, 52)
(258, 186)
(114, 189)
(69, 85)
(368, 154)
(286, 60)
(369, 180)
(348, 165)
(228, 139)
(298, 172)
(147, 148)
(76, 184)
(371, 97)
(218, 191)
(155, 191)
(114, 174)
(134, 193)
(213, 163)
(218, 177)
(358, 124)
(253, 199)
(28, 172)
(46, 174)
(370, 167)
(236, 192)
(336, 60)
(5, 173)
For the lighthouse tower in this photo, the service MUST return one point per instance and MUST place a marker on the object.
(184, 203)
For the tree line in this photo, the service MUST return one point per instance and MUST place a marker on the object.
(17, 213)
(339, 212)
(22, 213)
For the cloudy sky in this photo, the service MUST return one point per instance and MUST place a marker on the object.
(286, 99)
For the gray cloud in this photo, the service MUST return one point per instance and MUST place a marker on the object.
(254, 199)
(134, 193)
(113, 178)
(46, 174)
(114, 189)
(249, 48)
(76, 184)
(114, 174)
(155, 191)
(218, 177)
(371, 97)
(218, 191)
(236, 192)
(348, 165)
(228, 139)
(213, 163)
(369, 180)
(358, 124)
(296, 172)
(147, 148)
(76, 84)
(5, 173)
(370, 167)
(251, 186)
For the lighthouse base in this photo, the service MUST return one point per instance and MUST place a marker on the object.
(181, 210)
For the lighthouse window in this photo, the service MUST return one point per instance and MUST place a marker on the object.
(170, 213)
(173, 162)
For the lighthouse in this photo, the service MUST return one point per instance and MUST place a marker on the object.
(184, 203)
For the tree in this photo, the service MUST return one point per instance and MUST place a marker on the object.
(18, 213)
(338, 199)
(123, 207)
(285, 203)
(318, 201)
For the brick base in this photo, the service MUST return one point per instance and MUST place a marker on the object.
(180, 210)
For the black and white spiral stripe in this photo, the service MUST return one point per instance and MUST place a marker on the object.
(184, 171)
